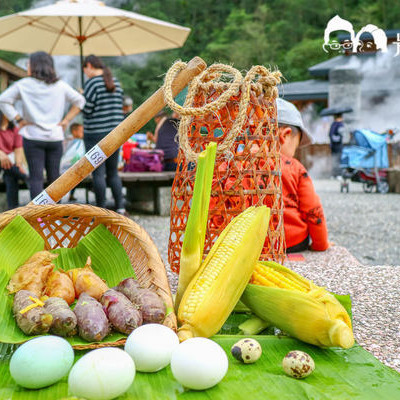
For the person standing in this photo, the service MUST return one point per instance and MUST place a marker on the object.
(336, 134)
(11, 160)
(42, 122)
(165, 138)
(101, 114)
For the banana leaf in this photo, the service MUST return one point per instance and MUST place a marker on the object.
(19, 241)
(339, 374)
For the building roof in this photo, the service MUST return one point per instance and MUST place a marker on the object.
(322, 69)
(12, 69)
(311, 89)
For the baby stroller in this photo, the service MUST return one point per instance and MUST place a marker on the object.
(366, 161)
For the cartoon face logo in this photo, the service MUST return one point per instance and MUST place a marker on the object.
(339, 24)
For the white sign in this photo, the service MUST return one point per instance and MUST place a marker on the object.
(96, 156)
(43, 199)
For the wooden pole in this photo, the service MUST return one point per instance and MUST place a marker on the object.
(117, 137)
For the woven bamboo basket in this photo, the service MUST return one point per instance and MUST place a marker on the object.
(65, 225)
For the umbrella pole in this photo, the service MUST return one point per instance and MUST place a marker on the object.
(81, 48)
(117, 137)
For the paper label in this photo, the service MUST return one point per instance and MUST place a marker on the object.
(96, 156)
(43, 199)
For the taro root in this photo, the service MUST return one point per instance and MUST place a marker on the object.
(30, 315)
(93, 324)
(122, 314)
(64, 319)
(149, 303)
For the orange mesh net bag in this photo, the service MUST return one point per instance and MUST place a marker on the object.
(239, 113)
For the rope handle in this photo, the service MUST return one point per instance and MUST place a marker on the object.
(265, 80)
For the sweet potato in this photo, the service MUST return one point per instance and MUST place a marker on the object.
(64, 319)
(86, 281)
(59, 284)
(122, 314)
(93, 324)
(32, 276)
(31, 317)
(149, 303)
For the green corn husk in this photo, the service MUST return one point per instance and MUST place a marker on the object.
(314, 316)
(196, 227)
(253, 326)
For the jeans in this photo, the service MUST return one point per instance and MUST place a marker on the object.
(42, 155)
(108, 169)
(11, 177)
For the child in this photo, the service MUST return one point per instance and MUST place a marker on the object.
(11, 160)
(303, 215)
(73, 152)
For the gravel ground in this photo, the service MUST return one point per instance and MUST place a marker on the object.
(367, 224)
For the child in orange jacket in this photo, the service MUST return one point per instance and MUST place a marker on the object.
(303, 214)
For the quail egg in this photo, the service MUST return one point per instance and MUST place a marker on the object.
(298, 364)
(247, 350)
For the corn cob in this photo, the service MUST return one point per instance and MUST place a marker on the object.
(195, 233)
(298, 306)
(217, 286)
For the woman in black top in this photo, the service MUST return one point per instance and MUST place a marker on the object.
(101, 114)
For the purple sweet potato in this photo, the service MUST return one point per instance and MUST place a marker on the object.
(93, 324)
(149, 303)
(64, 319)
(32, 321)
(122, 314)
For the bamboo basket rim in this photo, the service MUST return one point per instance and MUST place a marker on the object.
(108, 218)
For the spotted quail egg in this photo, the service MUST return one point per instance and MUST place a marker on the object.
(298, 364)
(247, 350)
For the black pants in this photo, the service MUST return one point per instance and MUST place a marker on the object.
(298, 248)
(42, 155)
(11, 177)
(106, 174)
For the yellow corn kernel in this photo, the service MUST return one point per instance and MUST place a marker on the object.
(268, 276)
(217, 286)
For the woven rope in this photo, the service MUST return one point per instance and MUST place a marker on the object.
(247, 170)
(266, 83)
(64, 225)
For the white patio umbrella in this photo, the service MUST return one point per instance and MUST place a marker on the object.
(77, 27)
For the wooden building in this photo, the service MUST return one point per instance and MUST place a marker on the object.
(9, 73)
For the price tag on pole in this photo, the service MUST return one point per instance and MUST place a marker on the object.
(96, 156)
(43, 199)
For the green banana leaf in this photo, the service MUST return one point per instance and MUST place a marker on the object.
(339, 374)
(19, 241)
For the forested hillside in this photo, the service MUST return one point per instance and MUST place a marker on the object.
(287, 34)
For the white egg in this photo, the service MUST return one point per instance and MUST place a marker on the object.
(151, 346)
(102, 374)
(199, 363)
(41, 362)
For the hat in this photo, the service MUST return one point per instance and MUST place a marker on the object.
(288, 114)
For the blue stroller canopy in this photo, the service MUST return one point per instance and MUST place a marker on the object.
(370, 151)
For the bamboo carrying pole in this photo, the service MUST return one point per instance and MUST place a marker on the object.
(117, 137)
